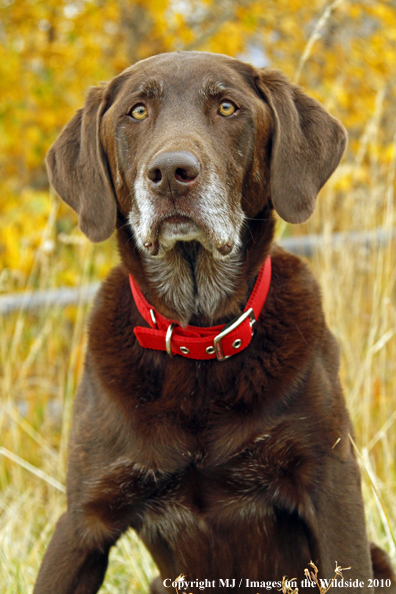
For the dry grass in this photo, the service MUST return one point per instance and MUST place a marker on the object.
(41, 358)
(312, 577)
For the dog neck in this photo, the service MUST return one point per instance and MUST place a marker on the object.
(188, 284)
(192, 282)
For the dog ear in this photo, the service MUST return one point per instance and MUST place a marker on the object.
(307, 146)
(78, 170)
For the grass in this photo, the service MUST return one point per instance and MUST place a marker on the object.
(41, 359)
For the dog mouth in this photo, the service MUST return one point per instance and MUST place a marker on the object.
(179, 227)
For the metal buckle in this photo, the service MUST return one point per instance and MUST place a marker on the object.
(229, 328)
(168, 337)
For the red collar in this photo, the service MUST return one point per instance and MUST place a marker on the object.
(194, 342)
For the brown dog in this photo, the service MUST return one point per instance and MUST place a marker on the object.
(233, 469)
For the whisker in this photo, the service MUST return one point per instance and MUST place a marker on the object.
(255, 219)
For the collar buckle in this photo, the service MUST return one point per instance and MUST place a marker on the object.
(229, 328)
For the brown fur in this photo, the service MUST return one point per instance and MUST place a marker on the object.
(236, 469)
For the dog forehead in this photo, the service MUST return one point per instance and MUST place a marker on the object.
(202, 73)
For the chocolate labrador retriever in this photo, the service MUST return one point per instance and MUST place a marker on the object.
(210, 417)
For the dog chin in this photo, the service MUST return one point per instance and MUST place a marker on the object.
(179, 230)
(172, 232)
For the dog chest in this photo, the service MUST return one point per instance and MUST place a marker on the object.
(214, 517)
(268, 474)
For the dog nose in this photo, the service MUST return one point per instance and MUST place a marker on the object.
(173, 171)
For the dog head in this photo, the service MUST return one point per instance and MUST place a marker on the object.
(187, 146)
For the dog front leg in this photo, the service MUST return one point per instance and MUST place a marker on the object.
(70, 565)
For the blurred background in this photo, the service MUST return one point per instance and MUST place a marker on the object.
(344, 54)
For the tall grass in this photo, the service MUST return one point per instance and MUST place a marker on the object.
(41, 359)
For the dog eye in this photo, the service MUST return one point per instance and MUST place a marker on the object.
(226, 108)
(139, 112)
